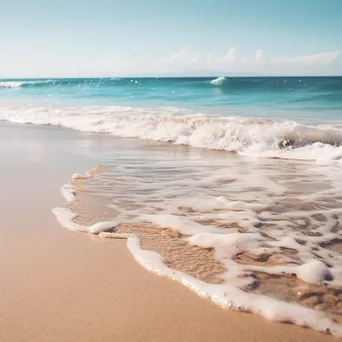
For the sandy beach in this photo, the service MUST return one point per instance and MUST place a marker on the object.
(59, 285)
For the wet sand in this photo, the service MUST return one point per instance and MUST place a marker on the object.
(58, 285)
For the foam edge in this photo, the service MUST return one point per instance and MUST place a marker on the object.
(230, 297)
(224, 295)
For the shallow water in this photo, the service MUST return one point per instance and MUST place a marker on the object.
(266, 227)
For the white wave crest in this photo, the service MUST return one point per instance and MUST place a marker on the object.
(19, 84)
(218, 81)
(250, 136)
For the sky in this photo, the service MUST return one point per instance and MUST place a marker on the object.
(87, 38)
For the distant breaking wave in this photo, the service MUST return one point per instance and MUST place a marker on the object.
(248, 136)
(19, 84)
(218, 81)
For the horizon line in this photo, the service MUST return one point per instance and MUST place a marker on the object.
(164, 76)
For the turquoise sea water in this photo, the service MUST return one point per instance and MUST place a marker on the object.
(249, 115)
(302, 98)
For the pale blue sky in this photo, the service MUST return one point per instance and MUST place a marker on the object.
(138, 37)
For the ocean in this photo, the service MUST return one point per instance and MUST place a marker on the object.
(256, 116)
(231, 186)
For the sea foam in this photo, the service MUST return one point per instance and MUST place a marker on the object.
(227, 296)
(212, 204)
(250, 136)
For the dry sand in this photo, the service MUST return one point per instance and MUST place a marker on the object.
(58, 285)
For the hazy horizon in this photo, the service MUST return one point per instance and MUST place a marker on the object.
(209, 76)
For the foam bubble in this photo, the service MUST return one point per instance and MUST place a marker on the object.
(226, 244)
(78, 176)
(314, 272)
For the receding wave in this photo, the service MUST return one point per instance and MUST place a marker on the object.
(250, 136)
(259, 236)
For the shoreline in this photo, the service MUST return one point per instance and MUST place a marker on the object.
(58, 285)
(206, 285)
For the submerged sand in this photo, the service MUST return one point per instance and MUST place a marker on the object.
(60, 286)
(92, 207)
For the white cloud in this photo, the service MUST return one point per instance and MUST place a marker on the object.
(319, 59)
(182, 62)
(230, 57)
(260, 56)
(258, 62)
